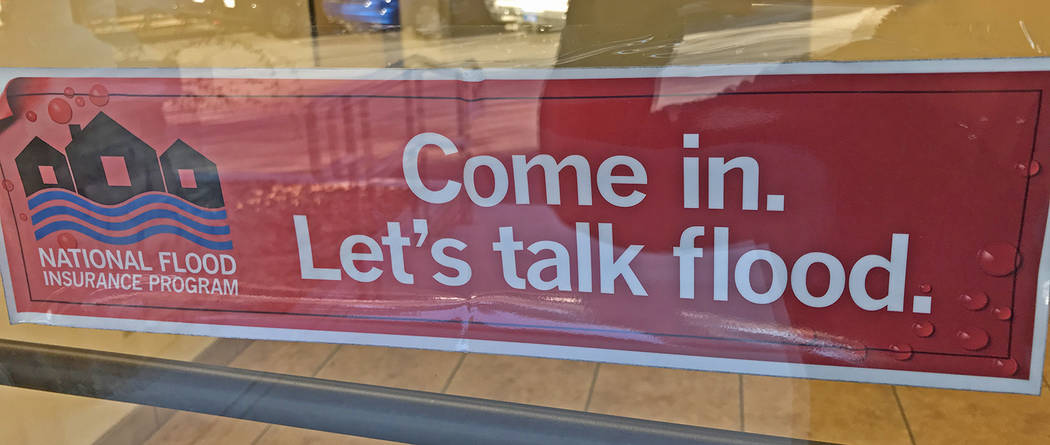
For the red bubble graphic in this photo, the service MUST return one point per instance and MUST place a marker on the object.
(972, 338)
(60, 111)
(901, 352)
(1007, 367)
(922, 328)
(67, 241)
(1030, 169)
(998, 259)
(98, 95)
(974, 301)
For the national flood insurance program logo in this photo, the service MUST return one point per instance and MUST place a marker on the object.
(113, 188)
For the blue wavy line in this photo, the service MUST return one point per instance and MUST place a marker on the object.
(133, 238)
(142, 218)
(127, 206)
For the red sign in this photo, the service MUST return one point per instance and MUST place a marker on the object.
(884, 228)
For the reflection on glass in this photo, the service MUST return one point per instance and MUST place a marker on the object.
(503, 33)
(472, 33)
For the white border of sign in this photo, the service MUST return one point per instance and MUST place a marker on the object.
(896, 377)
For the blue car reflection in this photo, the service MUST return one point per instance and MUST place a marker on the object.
(355, 13)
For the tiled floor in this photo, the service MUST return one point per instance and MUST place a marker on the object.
(535, 381)
(838, 412)
(668, 395)
(828, 411)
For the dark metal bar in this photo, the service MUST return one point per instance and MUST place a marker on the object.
(338, 407)
(312, 10)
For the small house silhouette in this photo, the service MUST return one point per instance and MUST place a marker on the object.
(41, 166)
(181, 159)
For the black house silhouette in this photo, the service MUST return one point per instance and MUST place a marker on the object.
(105, 137)
(37, 158)
(109, 165)
(208, 191)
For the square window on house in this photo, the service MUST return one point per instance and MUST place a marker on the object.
(187, 179)
(116, 170)
(47, 175)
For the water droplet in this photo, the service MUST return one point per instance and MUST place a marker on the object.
(925, 288)
(69, 92)
(1007, 366)
(8, 185)
(922, 328)
(67, 241)
(98, 95)
(1003, 313)
(901, 352)
(1030, 169)
(1020, 120)
(999, 259)
(31, 116)
(972, 338)
(972, 137)
(79, 101)
(974, 301)
(23, 217)
(60, 111)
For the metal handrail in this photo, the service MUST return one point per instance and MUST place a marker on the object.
(326, 405)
